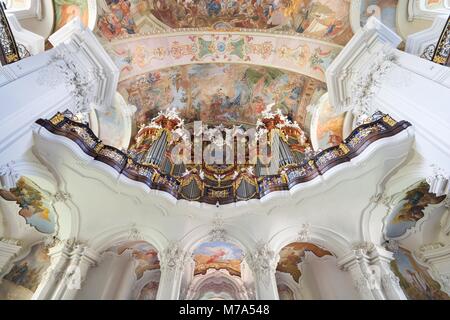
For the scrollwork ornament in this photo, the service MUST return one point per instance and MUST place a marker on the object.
(367, 84)
(263, 261)
(62, 68)
(390, 280)
(304, 235)
(173, 257)
(218, 232)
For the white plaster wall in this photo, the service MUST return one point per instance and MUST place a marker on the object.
(42, 27)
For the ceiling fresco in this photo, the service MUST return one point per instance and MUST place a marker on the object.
(66, 10)
(149, 291)
(35, 205)
(323, 19)
(384, 10)
(409, 210)
(284, 292)
(292, 254)
(218, 255)
(142, 252)
(416, 282)
(327, 127)
(141, 55)
(23, 279)
(224, 93)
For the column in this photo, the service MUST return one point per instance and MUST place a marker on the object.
(82, 258)
(59, 256)
(356, 263)
(369, 266)
(172, 261)
(263, 263)
(389, 281)
(9, 249)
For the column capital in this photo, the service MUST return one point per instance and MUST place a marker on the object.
(262, 261)
(172, 258)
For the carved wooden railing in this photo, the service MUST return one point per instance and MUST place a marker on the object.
(9, 52)
(442, 51)
(384, 126)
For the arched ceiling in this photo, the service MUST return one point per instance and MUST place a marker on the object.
(221, 93)
(322, 19)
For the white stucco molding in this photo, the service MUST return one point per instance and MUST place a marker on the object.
(418, 9)
(436, 256)
(217, 277)
(107, 238)
(32, 9)
(361, 65)
(33, 42)
(323, 237)
(79, 44)
(423, 43)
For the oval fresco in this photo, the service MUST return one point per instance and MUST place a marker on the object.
(324, 19)
(218, 255)
(409, 210)
(35, 204)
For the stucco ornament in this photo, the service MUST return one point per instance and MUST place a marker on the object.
(263, 261)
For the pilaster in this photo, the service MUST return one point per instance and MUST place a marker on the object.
(263, 263)
(369, 267)
(172, 260)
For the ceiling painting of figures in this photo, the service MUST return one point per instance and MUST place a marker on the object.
(416, 282)
(25, 275)
(220, 93)
(145, 255)
(323, 19)
(218, 255)
(66, 10)
(292, 254)
(35, 205)
(383, 10)
(410, 209)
